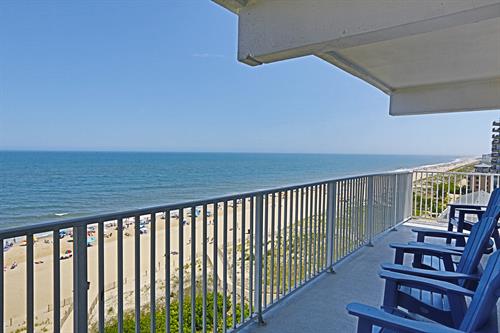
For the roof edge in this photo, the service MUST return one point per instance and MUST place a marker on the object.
(232, 5)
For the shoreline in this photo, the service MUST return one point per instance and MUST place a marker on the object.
(448, 166)
(437, 167)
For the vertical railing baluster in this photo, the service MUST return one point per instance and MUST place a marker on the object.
(426, 193)
(181, 270)
(306, 237)
(215, 266)
(167, 270)
(323, 225)
(266, 267)
(137, 273)
(370, 210)
(395, 201)
(243, 248)
(252, 253)
(2, 286)
(467, 190)
(320, 226)
(296, 231)
(413, 190)
(310, 232)
(30, 299)
(449, 188)
(301, 216)
(80, 283)
(56, 272)
(278, 256)
(285, 231)
(193, 268)
(258, 257)
(344, 218)
(315, 230)
(273, 226)
(290, 239)
(356, 197)
(351, 215)
(235, 253)
(443, 183)
(224, 268)
(152, 278)
(421, 194)
(330, 222)
(437, 194)
(204, 267)
(119, 244)
(100, 272)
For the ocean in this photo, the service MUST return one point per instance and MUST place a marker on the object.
(47, 186)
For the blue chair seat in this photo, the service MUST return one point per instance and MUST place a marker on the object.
(437, 300)
(434, 262)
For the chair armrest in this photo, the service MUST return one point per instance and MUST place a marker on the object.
(421, 249)
(460, 249)
(452, 277)
(453, 207)
(377, 317)
(423, 232)
(470, 206)
(470, 210)
(424, 248)
(426, 283)
(462, 212)
(439, 233)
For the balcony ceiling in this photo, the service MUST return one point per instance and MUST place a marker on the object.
(429, 56)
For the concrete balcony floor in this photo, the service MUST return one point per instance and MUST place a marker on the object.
(320, 306)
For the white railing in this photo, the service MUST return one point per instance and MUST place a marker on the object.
(433, 191)
(247, 251)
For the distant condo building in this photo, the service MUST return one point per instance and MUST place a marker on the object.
(495, 148)
(490, 163)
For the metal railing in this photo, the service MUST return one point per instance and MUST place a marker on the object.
(433, 191)
(207, 265)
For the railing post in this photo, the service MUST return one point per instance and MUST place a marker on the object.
(409, 208)
(258, 256)
(80, 282)
(395, 202)
(370, 210)
(330, 226)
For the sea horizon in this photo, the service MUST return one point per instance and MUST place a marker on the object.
(40, 186)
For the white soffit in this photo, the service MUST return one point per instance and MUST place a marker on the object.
(429, 56)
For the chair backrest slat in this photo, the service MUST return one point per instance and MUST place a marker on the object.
(480, 235)
(485, 298)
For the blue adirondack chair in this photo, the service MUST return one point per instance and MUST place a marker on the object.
(479, 316)
(461, 224)
(465, 275)
(432, 257)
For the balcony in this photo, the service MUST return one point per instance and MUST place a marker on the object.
(266, 255)
(323, 301)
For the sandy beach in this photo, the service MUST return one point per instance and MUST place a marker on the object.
(15, 278)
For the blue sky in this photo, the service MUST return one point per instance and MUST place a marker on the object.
(163, 75)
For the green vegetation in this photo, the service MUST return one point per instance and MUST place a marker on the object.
(432, 194)
(465, 168)
(129, 316)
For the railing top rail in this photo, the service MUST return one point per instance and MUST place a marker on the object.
(101, 218)
(457, 173)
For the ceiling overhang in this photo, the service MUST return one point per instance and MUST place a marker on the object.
(429, 56)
